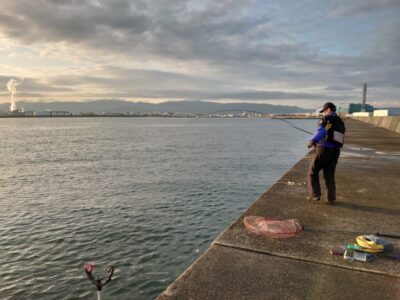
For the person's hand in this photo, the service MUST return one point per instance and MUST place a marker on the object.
(310, 144)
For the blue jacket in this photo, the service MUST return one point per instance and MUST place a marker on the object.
(320, 136)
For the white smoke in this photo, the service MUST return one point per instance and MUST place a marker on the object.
(12, 88)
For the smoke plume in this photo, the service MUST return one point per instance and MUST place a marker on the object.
(12, 88)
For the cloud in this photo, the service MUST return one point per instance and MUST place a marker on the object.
(245, 95)
(355, 7)
(339, 88)
(32, 86)
(170, 85)
(167, 29)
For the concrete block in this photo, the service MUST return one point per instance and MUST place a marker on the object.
(391, 123)
(381, 113)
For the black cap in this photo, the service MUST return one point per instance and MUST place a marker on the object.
(328, 105)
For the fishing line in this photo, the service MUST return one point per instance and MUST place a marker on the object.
(293, 125)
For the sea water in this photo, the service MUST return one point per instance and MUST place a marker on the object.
(146, 195)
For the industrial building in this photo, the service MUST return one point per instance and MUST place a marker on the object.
(349, 108)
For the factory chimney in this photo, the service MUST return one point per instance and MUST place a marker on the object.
(364, 97)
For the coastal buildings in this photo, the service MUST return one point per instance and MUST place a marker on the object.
(349, 108)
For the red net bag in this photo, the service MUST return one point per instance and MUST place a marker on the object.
(272, 227)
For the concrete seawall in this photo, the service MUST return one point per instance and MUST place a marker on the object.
(391, 122)
(241, 265)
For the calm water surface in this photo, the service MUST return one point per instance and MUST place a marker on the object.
(147, 195)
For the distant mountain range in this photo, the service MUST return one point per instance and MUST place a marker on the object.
(120, 106)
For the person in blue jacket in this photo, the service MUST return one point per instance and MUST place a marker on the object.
(327, 140)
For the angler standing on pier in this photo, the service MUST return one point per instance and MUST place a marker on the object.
(327, 140)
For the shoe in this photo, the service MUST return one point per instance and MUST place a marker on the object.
(316, 198)
(330, 202)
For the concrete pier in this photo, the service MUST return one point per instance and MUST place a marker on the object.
(241, 265)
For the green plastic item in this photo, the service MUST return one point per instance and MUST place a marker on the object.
(361, 248)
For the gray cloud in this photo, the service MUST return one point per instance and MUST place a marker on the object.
(30, 87)
(355, 7)
(168, 28)
(118, 78)
(73, 21)
(246, 95)
(339, 88)
(173, 86)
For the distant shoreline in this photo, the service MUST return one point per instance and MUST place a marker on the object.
(164, 116)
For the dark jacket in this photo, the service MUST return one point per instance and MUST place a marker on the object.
(324, 133)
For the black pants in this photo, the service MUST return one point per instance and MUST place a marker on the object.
(324, 159)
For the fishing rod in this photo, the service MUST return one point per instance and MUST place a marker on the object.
(293, 125)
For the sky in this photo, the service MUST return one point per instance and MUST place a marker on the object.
(293, 52)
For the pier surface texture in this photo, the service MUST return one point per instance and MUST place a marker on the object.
(241, 265)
